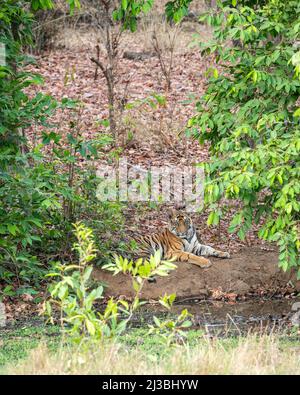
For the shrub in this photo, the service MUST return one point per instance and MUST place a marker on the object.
(41, 194)
(250, 116)
(74, 296)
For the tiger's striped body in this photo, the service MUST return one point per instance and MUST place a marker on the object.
(180, 242)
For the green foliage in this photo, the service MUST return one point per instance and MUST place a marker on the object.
(170, 331)
(40, 199)
(23, 191)
(153, 101)
(141, 269)
(177, 9)
(72, 294)
(250, 116)
(16, 343)
(76, 187)
(128, 12)
(41, 195)
(49, 4)
(75, 298)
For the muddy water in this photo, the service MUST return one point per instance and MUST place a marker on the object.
(227, 317)
(214, 317)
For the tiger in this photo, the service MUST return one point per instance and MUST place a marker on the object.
(179, 242)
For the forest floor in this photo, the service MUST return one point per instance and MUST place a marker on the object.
(249, 272)
(155, 137)
(147, 136)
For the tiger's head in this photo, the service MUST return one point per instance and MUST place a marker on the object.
(181, 224)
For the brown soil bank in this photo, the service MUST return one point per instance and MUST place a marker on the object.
(250, 270)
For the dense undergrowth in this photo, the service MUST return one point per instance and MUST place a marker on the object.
(39, 351)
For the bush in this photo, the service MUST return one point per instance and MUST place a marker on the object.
(250, 116)
(74, 295)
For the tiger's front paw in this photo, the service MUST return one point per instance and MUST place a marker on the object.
(205, 264)
(225, 255)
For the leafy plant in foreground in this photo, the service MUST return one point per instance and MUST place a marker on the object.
(170, 330)
(74, 298)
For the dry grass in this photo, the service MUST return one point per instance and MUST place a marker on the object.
(72, 33)
(85, 37)
(250, 355)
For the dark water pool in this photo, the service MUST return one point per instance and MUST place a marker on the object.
(217, 317)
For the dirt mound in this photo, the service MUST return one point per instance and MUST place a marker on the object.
(250, 270)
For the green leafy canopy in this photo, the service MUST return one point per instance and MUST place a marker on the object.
(250, 116)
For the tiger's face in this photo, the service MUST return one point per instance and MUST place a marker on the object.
(180, 224)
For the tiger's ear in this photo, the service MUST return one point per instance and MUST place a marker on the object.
(171, 213)
(180, 206)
